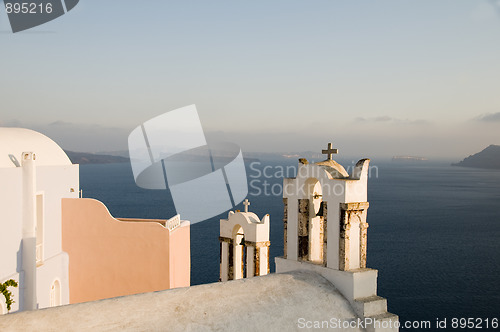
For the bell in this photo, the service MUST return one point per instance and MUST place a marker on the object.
(242, 242)
(320, 211)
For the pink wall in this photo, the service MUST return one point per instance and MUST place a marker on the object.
(179, 254)
(109, 258)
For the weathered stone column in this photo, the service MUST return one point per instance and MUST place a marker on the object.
(325, 231)
(264, 257)
(256, 260)
(344, 242)
(363, 235)
(285, 225)
(303, 229)
(230, 273)
(260, 257)
(250, 261)
(224, 258)
(238, 264)
(349, 211)
(267, 254)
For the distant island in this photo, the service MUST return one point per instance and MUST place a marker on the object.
(408, 158)
(91, 158)
(488, 158)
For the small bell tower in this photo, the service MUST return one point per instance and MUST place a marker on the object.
(244, 245)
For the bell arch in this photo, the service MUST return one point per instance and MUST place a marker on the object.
(244, 245)
(311, 223)
(239, 264)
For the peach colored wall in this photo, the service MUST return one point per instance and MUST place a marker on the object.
(180, 276)
(109, 258)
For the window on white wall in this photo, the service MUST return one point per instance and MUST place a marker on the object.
(55, 294)
(40, 216)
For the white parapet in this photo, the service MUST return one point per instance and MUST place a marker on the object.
(358, 286)
(353, 284)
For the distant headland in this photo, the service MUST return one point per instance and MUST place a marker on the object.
(121, 157)
(408, 158)
(91, 158)
(488, 158)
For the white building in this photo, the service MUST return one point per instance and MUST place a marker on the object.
(35, 174)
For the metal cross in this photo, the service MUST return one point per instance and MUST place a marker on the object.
(246, 203)
(330, 151)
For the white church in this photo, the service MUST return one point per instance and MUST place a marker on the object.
(31, 247)
(321, 282)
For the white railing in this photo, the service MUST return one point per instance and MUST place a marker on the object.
(173, 222)
(39, 254)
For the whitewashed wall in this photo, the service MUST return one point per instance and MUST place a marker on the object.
(55, 182)
(10, 220)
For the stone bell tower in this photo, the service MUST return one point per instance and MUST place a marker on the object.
(325, 230)
(244, 245)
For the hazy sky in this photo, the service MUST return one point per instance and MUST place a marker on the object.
(378, 78)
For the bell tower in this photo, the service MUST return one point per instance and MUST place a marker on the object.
(325, 230)
(244, 245)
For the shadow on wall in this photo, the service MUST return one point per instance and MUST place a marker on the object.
(19, 270)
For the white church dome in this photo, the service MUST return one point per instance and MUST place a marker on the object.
(15, 141)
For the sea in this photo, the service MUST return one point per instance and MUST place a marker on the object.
(434, 233)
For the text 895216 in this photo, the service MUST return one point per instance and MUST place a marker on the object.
(28, 8)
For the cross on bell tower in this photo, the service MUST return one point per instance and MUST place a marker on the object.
(330, 151)
(246, 202)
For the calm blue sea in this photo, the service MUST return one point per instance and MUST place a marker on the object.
(434, 231)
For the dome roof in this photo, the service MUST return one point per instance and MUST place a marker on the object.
(15, 141)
